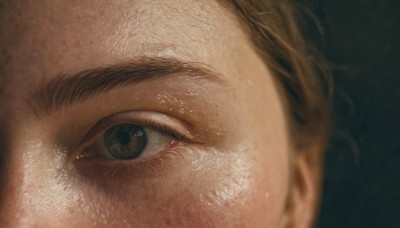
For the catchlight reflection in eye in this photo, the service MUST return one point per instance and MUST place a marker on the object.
(139, 136)
(128, 142)
(125, 141)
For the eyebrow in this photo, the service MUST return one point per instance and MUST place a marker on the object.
(67, 89)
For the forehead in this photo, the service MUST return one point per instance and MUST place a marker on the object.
(41, 38)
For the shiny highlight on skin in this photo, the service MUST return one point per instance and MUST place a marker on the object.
(237, 172)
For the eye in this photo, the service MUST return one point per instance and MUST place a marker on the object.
(128, 142)
(139, 136)
(125, 141)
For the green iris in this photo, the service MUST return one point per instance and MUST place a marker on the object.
(125, 141)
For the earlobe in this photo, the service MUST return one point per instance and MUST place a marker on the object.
(304, 198)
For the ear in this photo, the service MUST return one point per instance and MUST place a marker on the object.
(304, 196)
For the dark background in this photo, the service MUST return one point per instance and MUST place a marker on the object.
(362, 177)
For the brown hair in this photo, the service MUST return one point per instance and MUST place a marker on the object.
(273, 27)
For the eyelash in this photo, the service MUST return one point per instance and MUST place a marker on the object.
(158, 161)
(179, 146)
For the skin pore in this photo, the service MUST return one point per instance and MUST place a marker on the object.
(223, 151)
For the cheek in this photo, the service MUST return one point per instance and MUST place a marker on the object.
(228, 191)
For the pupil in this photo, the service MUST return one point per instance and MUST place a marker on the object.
(123, 137)
(125, 141)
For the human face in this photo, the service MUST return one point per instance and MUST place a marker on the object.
(217, 150)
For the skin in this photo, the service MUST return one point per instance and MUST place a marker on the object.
(236, 172)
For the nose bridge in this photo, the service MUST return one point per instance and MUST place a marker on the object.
(20, 193)
(34, 187)
(16, 177)
(12, 205)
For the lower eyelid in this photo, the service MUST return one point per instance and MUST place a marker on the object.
(174, 158)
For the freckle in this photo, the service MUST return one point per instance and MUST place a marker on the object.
(167, 221)
(71, 210)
